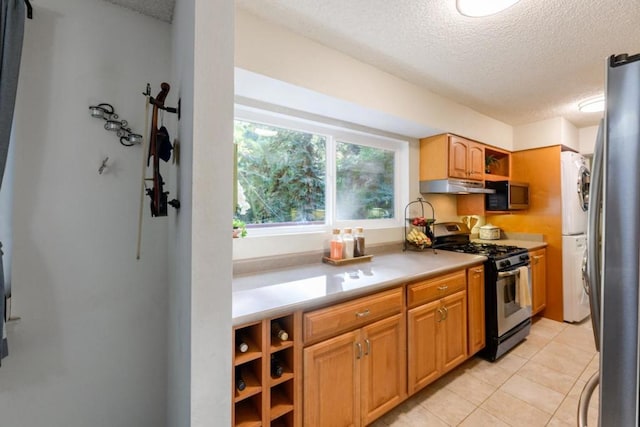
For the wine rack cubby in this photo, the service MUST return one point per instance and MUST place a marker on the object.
(266, 397)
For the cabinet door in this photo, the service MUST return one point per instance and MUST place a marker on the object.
(476, 161)
(475, 309)
(538, 280)
(422, 345)
(383, 368)
(332, 382)
(454, 331)
(458, 157)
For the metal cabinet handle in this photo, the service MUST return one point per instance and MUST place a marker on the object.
(364, 313)
(446, 312)
(441, 315)
(478, 270)
(359, 347)
(443, 288)
(537, 259)
(368, 350)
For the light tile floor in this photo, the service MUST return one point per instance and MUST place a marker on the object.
(538, 383)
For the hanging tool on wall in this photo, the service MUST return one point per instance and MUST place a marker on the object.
(159, 148)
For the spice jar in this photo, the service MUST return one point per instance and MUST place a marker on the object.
(347, 240)
(359, 242)
(336, 245)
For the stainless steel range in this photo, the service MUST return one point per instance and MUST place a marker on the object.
(507, 284)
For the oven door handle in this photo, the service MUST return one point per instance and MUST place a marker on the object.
(508, 273)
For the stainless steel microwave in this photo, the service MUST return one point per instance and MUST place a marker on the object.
(509, 196)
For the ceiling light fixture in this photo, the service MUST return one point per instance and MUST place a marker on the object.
(592, 105)
(475, 8)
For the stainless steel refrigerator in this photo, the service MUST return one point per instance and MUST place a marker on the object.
(611, 272)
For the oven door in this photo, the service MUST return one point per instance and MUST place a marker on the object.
(510, 312)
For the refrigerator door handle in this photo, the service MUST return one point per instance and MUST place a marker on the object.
(585, 398)
(592, 273)
(585, 274)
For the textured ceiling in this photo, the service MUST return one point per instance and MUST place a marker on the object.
(531, 62)
(159, 9)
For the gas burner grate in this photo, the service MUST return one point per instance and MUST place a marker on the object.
(487, 249)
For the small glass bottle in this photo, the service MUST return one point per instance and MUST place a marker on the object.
(359, 242)
(241, 344)
(347, 240)
(278, 332)
(240, 384)
(336, 245)
(277, 369)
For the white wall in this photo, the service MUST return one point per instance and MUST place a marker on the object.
(200, 235)
(545, 133)
(179, 340)
(275, 52)
(91, 347)
(6, 217)
(587, 138)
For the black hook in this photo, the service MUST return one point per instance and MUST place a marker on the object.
(29, 9)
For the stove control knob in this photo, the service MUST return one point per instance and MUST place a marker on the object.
(524, 257)
(504, 264)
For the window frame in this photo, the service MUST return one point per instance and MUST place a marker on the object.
(334, 134)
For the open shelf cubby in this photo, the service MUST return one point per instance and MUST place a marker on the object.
(282, 399)
(285, 323)
(267, 400)
(499, 167)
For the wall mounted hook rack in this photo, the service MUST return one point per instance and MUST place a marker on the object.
(112, 123)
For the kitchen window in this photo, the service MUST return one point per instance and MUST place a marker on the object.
(297, 175)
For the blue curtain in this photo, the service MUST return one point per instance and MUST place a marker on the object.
(12, 15)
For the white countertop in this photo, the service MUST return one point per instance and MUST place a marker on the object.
(279, 292)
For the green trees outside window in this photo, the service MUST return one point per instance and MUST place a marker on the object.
(283, 178)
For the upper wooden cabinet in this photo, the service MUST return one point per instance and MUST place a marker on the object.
(466, 158)
(497, 164)
(451, 156)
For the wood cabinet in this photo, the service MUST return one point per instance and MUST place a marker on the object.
(475, 308)
(332, 382)
(466, 158)
(497, 164)
(451, 156)
(354, 378)
(436, 328)
(349, 363)
(538, 280)
(266, 399)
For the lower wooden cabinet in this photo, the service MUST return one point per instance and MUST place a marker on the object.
(538, 280)
(332, 382)
(437, 339)
(475, 309)
(383, 369)
(262, 395)
(356, 377)
(350, 363)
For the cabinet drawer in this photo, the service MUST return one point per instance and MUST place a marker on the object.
(331, 321)
(432, 289)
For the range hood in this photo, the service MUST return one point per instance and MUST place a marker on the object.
(454, 186)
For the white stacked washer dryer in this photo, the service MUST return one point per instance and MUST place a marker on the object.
(575, 203)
